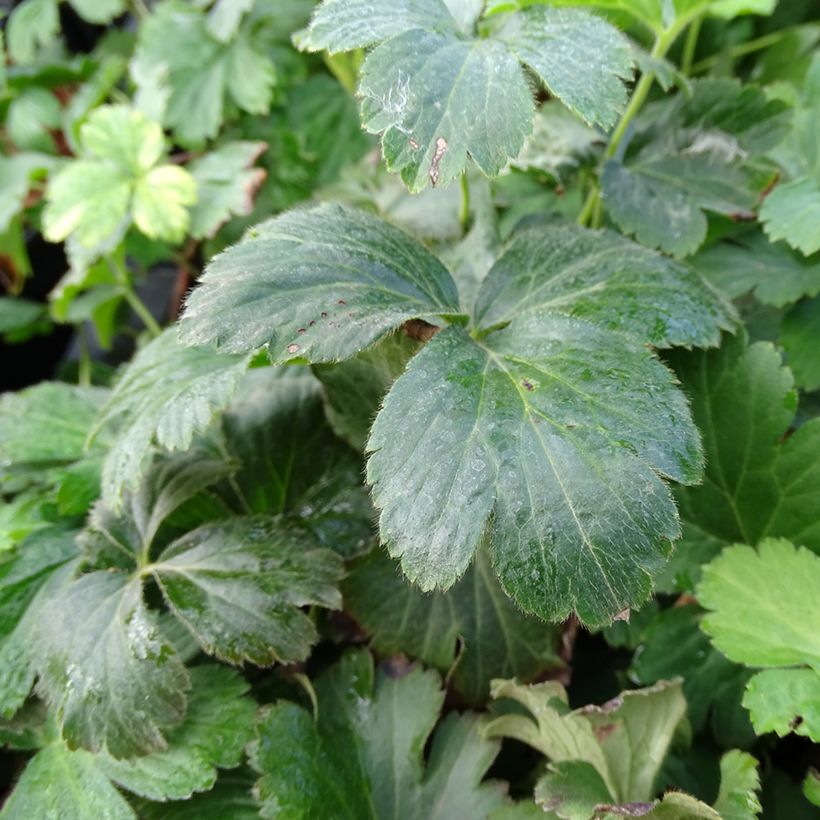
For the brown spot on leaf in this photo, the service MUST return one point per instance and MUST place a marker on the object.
(603, 732)
(527, 384)
(435, 163)
(323, 314)
(293, 348)
(795, 722)
(341, 302)
(301, 330)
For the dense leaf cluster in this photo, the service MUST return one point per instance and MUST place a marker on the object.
(440, 434)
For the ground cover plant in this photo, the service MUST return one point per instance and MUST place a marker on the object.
(411, 409)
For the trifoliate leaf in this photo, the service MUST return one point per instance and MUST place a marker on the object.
(765, 610)
(65, 784)
(437, 95)
(581, 59)
(320, 284)
(791, 212)
(601, 276)
(739, 784)
(165, 395)
(625, 740)
(115, 180)
(474, 624)
(363, 756)
(47, 424)
(775, 274)
(192, 75)
(238, 586)
(217, 726)
(226, 182)
(289, 461)
(799, 333)
(113, 680)
(785, 701)
(557, 431)
(757, 477)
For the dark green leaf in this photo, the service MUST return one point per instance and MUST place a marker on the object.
(799, 334)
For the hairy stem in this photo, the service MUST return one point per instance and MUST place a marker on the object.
(464, 212)
(136, 304)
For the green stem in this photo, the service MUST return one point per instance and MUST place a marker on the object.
(130, 295)
(741, 50)
(662, 45)
(464, 212)
(84, 364)
(140, 9)
(690, 46)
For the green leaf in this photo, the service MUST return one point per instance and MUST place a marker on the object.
(757, 478)
(798, 335)
(625, 740)
(363, 756)
(105, 668)
(117, 179)
(32, 25)
(65, 784)
(739, 784)
(474, 624)
(791, 212)
(230, 798)
(749, 263)
(600, 276)
(226, 182)
(16, 176)
(46, 424)
(166, 395)
(785, 701)
(217, 726)
(559, 430)
(99, 11)
(572, 789)
(320, 284)
(580, 58)
(764, 608)
(437, 99)
(186, 77)
(291, 463)
(811, 787)
(238, 585)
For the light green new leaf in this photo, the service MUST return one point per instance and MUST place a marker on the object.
(556, 431)
(104, 667)
(364, 755)
(226, 182)
(792, 212)
(775, 274)
(474, 624)
(739, 784)
(321, 284)
(115, 180)
(603, 277)
(99, 11)
(625, 740)
(437, 98)
(784, 701)
(238, 586)
(186, 76)
(757, 478)
(766, 612)
(216, 728)
(165, 395)
(16, 176)
(32, 25)
(581, 59)
(799, 333)
(65, 784)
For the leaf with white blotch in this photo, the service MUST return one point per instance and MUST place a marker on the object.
(600, 276)
(104, 667)
(757, 477)
(217, 726)
(785, 701)
(65, 784)
(777, 580)
(226, 181)
(437, 94)
(792, 212)
(474, 624)
(739, 784)
(363, 756)
(165, 395)
(555, 431)
(117, 179)
(580, 58)
(291, 464)
(322, 284)
(799, 333)
(238, 585)
(625, 740)
(747, 263)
